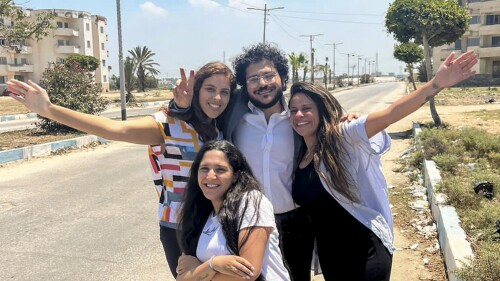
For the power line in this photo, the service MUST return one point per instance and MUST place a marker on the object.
(338, 14)
(327, 20)
(265, 19)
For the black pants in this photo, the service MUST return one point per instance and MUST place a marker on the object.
(296, 243)
(168, 238)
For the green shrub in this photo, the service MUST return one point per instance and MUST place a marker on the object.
(447, 162)
(484, 267)
(460, 193)
(73, 88)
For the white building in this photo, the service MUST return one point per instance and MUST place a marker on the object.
(76, 32)
(483, 37)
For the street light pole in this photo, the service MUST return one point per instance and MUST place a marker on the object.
(265, 18)
(120, 62)
(348, 65)
(311, 37)
(333, 66)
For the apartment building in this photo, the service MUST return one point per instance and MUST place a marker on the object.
(483, 37)
(76, 32)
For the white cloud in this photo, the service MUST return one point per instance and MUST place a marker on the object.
(150, 9)
(208, 4)
(243, 4)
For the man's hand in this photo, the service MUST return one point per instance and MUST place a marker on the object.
(183, 91)
(349, 117)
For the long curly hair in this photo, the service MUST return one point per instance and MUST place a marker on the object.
(197, 208)
(329, 147)
(257, 53)
(204, 126)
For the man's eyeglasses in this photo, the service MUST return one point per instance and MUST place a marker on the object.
(254, 81)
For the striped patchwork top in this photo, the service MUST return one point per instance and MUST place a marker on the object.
(171, 169)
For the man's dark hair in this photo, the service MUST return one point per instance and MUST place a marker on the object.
(256, 53)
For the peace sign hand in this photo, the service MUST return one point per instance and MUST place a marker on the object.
(183, 91)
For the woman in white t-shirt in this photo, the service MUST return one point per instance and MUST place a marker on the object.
(226, 228)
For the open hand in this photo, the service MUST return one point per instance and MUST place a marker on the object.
(34, 97)
(183, 90)
(452, 70)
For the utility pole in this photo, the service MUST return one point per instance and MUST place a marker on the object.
(120, 62)
(348, 65)
(333, 63)
(311, 37)
(326, 73)
(359, 58)
(265, 18)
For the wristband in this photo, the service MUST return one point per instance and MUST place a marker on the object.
(210, 264)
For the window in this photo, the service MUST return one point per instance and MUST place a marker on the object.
(59, 24)
(24, 61)
(458, 44)
(88, 43)
(103, 63)
(60, 42)
(495, 41)
(59, 60)
(472, 42)
(2, 42)
(496, 69)
(102, 46)
(3, 60)
(2, 79)
(87, 26)
(67, 43)
(104, 79)
(492, 19)
(66, 25)
(102, 29)
(475, 20)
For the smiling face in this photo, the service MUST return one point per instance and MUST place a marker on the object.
(263, 88)
(215, 176)
(304, 116)
(214, 95)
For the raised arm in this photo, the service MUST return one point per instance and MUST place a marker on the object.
(36, 99)
(450, 72)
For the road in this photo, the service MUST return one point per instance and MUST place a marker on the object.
(91, 214)
(114, 113)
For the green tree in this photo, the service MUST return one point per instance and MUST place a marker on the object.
(70, 87)
(128, 71)
(143, 63)
(422, 73)
(409, 53)
(22, 29)
(302, 60)
(87, 63)
(430, 23)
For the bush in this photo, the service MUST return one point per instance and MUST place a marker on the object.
(73, 88)
(484, 267)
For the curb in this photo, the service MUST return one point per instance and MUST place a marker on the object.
(452, 238)
(47, 148)
(5, 118)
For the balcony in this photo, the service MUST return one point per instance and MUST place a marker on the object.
(67, 49)
(489, 51)
(485, 30)
(18, 49)
(66, 32)
(20, 68)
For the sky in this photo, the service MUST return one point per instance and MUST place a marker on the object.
(190, 33)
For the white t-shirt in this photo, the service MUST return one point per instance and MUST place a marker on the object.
(213, 243)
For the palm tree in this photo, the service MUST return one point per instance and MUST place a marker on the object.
(303, 63)
(129, 69)
(143, 62)
(294, 61)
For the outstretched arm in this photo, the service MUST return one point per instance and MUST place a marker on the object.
(36, 99)
(450, 72)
